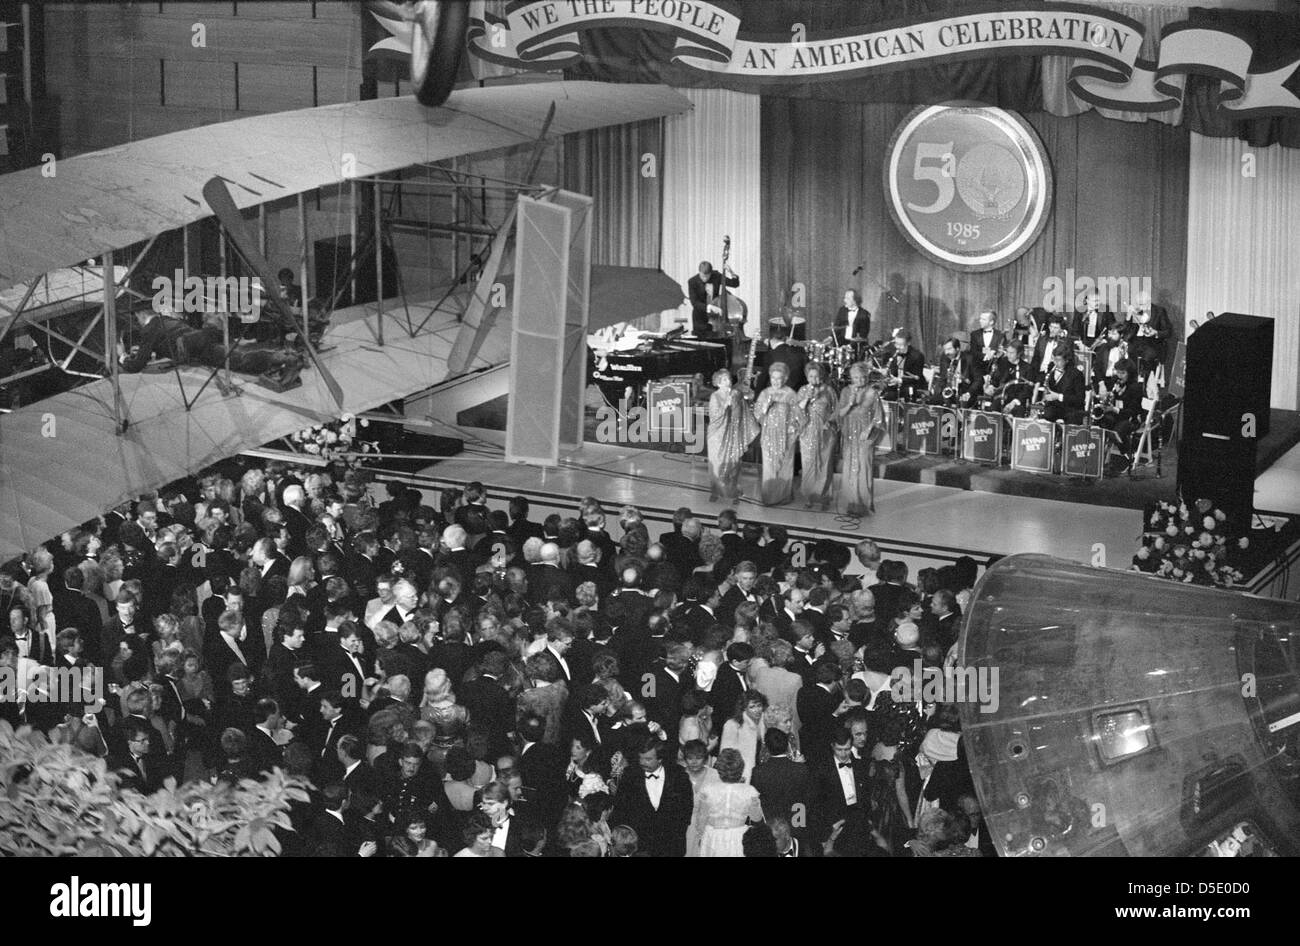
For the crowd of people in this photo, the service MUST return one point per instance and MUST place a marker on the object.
(465, 681)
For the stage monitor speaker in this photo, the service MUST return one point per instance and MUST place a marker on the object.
(332, 258)
(1229, 373)
(1222, 472)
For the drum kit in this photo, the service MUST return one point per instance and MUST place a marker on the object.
(836, 360)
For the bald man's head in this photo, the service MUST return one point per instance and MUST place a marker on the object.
(550, 553)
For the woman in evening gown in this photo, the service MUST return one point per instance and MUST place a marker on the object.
(817, 439)
(723, 811)
(732, 429)
(861, 422)
(777, 409)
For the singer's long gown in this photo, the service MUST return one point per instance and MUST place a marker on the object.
(858, 453)
(817, 445)
(732, 428)
(782, 420)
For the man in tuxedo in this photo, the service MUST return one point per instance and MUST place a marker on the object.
(74, 609)
(906, 371)
(784, 786)
(1064, 397)
(521, 527)
(683, 544)
(703, 290)
(1152, 330)
(268, 560)
(296, 520)
(840, 785)
(1010, 385)
(1049, 343)
(741, 591)
(263, 747)
(664, 704)
(1090, 325)
(1124, 413)
(955, 371)
(852, 322)
(546, 578)
(985, 343)
(489, 704)
(699, 611)
(816, 704)
(587, 715)
(542, 768)
(32, 645)
(139, 771)
(473, 515)
(347, 668)
(323, 738)
(629, 607)
(655, 801)
(732, 681)
(589, 567)
(943, 623)
(336, 831)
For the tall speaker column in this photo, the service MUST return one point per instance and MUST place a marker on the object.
(1225, 412)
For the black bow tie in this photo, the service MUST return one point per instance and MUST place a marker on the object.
(845, 765)
(650, 775)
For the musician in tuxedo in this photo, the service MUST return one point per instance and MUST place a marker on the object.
(985, 343)
(840, 784)
(1090, 325)
(1025, 327)
(1065, 389)
(906, 372)
(781, 352)
(1011, 384)
(1152, 330)
(656, 801)
(703, 290)
(1048, 343)
(1123, 410)
(955, 371)
(852, 322)
(1109, 353)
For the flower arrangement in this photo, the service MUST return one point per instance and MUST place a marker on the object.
(333, 441)
(1188, 544)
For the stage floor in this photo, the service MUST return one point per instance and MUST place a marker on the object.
(919, 523)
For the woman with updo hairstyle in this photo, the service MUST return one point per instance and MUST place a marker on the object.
(723, 809)
(302, 575)
(438, 706)
(711, 552)
(861, 420)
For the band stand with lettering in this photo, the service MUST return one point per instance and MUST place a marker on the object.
(982, 434)
(1033, 445)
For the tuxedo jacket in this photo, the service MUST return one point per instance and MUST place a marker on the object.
(702, 292)
(146, 781)
(263, 750)
(541, 767)
(1079, 326)
(861, 327)
(829, 804)
(817, 723)
(491, 710)
(660, 832)
(681, 551)
(782, 785)
(1070, 383)
(543, 580)
(979, 367)
(694, 619)
(724, 695)
(664, 706)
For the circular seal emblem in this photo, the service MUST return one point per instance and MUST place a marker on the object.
(970, 186)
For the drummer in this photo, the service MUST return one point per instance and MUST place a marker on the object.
(852, 322)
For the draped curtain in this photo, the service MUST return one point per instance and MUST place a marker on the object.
(1241, 253)
(618, 166)
(711, 188)
(1120, 211)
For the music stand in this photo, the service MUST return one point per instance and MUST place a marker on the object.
(1149, 449)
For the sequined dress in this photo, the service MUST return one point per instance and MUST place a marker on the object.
(782, 420)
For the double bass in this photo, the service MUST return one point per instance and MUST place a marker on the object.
(729, 322)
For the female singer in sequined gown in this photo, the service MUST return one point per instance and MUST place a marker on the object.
(817, 439)
(777, 409)
(859, 414)
(732, 429)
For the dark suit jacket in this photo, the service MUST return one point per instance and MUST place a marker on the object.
(817, 723)
(1071, 385)
(783, 784)
(146, 784)
(73, 609)
(331, 837)
(491, 710)
(661, 832)
(829, 805)
(725, 694)
(263, 750)
(542, 766)
(545, 579)
(627, 610)
(979, 367)
(1079, 326)
(861, 327)
(682, 552)
(664, 706)
(700, 297)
